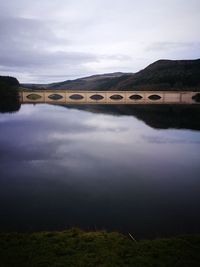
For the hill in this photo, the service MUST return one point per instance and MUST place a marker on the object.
(94, 82)
(166, 75)
(161, 75)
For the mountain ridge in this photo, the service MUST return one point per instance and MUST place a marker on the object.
(163, 74)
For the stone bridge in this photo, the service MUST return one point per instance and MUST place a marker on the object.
(107, 97)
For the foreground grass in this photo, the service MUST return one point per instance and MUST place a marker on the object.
(77, 248)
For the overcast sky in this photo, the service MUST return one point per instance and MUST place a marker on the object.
(55, 40)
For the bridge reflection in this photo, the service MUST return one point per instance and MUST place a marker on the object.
(164, 114)
(108, 97)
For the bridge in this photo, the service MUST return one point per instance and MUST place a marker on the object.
(107, 97)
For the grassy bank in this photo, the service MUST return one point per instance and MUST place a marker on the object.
(77, 248)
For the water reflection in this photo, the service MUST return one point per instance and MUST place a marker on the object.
(156, 116)
(63, 167)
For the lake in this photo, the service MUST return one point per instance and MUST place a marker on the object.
(130, 169)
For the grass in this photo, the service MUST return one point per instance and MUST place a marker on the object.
(95, 249)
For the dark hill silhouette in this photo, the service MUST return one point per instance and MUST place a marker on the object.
(9, 94)
(8, 82)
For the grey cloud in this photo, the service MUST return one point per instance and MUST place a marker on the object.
(42, 66)
(34, 58)
(117, 57)
(28, 42)
(54, 38)
(21, 33)
(167, 140)
(28, 45)
(158, 46)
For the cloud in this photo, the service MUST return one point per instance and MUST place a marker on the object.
(30, 46)
(34, 58)
(59, 38)
(33, 46)
(30, 42)
(166, 46)
(155, 139)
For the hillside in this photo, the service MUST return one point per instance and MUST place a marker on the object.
(166, 75)
(161, 75)
(94, 82)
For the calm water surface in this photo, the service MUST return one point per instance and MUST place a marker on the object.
(62, 167)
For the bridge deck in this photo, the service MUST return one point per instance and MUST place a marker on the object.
(107, 97)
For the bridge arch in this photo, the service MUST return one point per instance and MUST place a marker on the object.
(135, 97)
(97, 97)
(34, 97)
(55, 97)
(76, 96)
(116, 97)
(154, 97)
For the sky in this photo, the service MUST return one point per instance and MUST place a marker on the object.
(56, 40)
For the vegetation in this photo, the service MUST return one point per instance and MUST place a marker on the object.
(9, 94)
(8, 83)
(77, 248)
